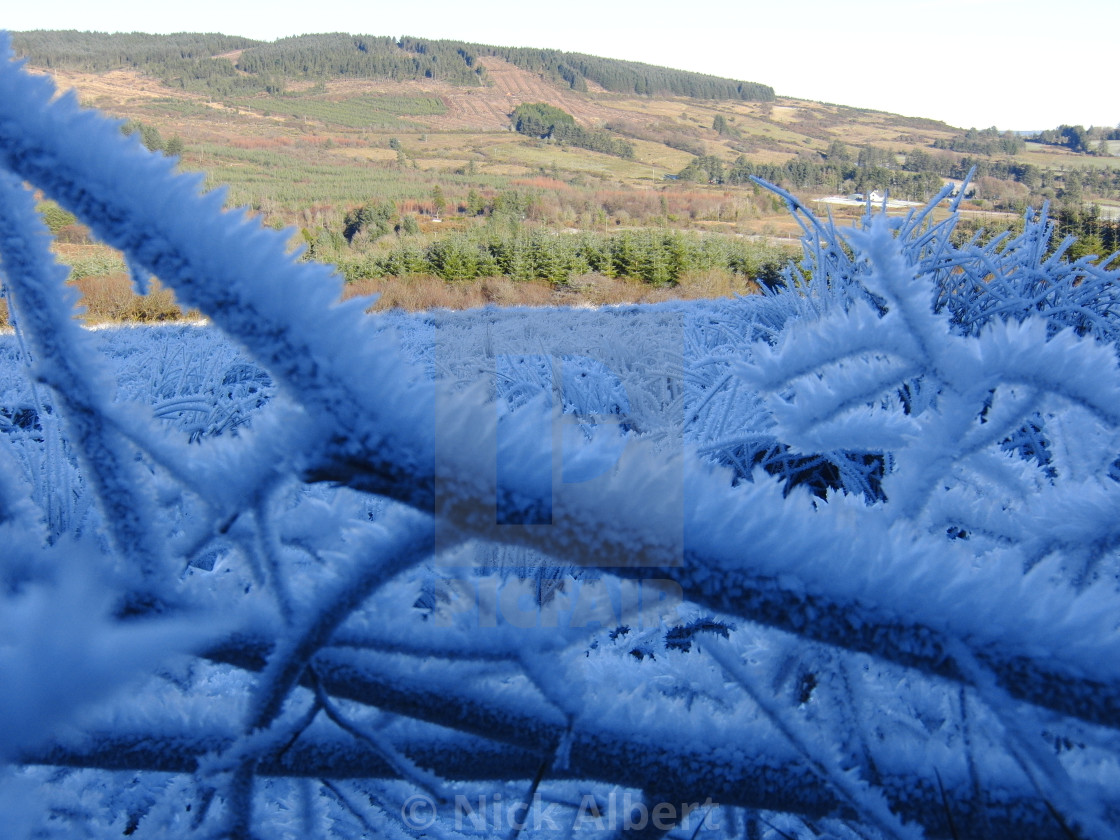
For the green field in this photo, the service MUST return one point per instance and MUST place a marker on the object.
(360, 112)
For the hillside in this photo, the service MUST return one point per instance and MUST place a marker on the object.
(222, 64)
(446, 125)
(307, 130)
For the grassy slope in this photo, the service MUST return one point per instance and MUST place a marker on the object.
(331, 147)
(303, 160)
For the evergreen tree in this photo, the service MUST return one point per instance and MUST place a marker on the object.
(476, 206)
(173, 147)
(372, 220)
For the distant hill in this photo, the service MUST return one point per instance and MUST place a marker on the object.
(227, 64)
(307, 128)
(328, 120)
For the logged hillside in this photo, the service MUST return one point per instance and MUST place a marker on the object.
(218, 93)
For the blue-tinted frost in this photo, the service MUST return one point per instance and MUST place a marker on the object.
(840, 559)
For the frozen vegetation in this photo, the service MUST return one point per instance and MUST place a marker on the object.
(838, 561)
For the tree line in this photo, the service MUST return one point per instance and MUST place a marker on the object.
(655, 257)
(617, 76)
(804, 172)
(1077, 138)
(989, 141)
(99, 51)
(913, 175)
(362, 56)
(547, 122)
(1094, 234)
(151, 138)
(189, 60)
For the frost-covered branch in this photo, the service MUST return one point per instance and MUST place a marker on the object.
(849, 580)
(65, 362)
(743, 762)
(960, 439)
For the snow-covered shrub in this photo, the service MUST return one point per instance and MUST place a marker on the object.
(902, 622)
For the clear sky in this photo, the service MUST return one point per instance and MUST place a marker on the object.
(1015, 64)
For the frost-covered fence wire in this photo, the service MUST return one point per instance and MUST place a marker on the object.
(881, 580)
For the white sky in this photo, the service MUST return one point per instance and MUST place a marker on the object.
(1015, 64)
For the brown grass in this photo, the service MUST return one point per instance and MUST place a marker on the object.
(708, 285)
(418, 293)
(542, 182)
(424, 291)
(110, 299)
(250, 142)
